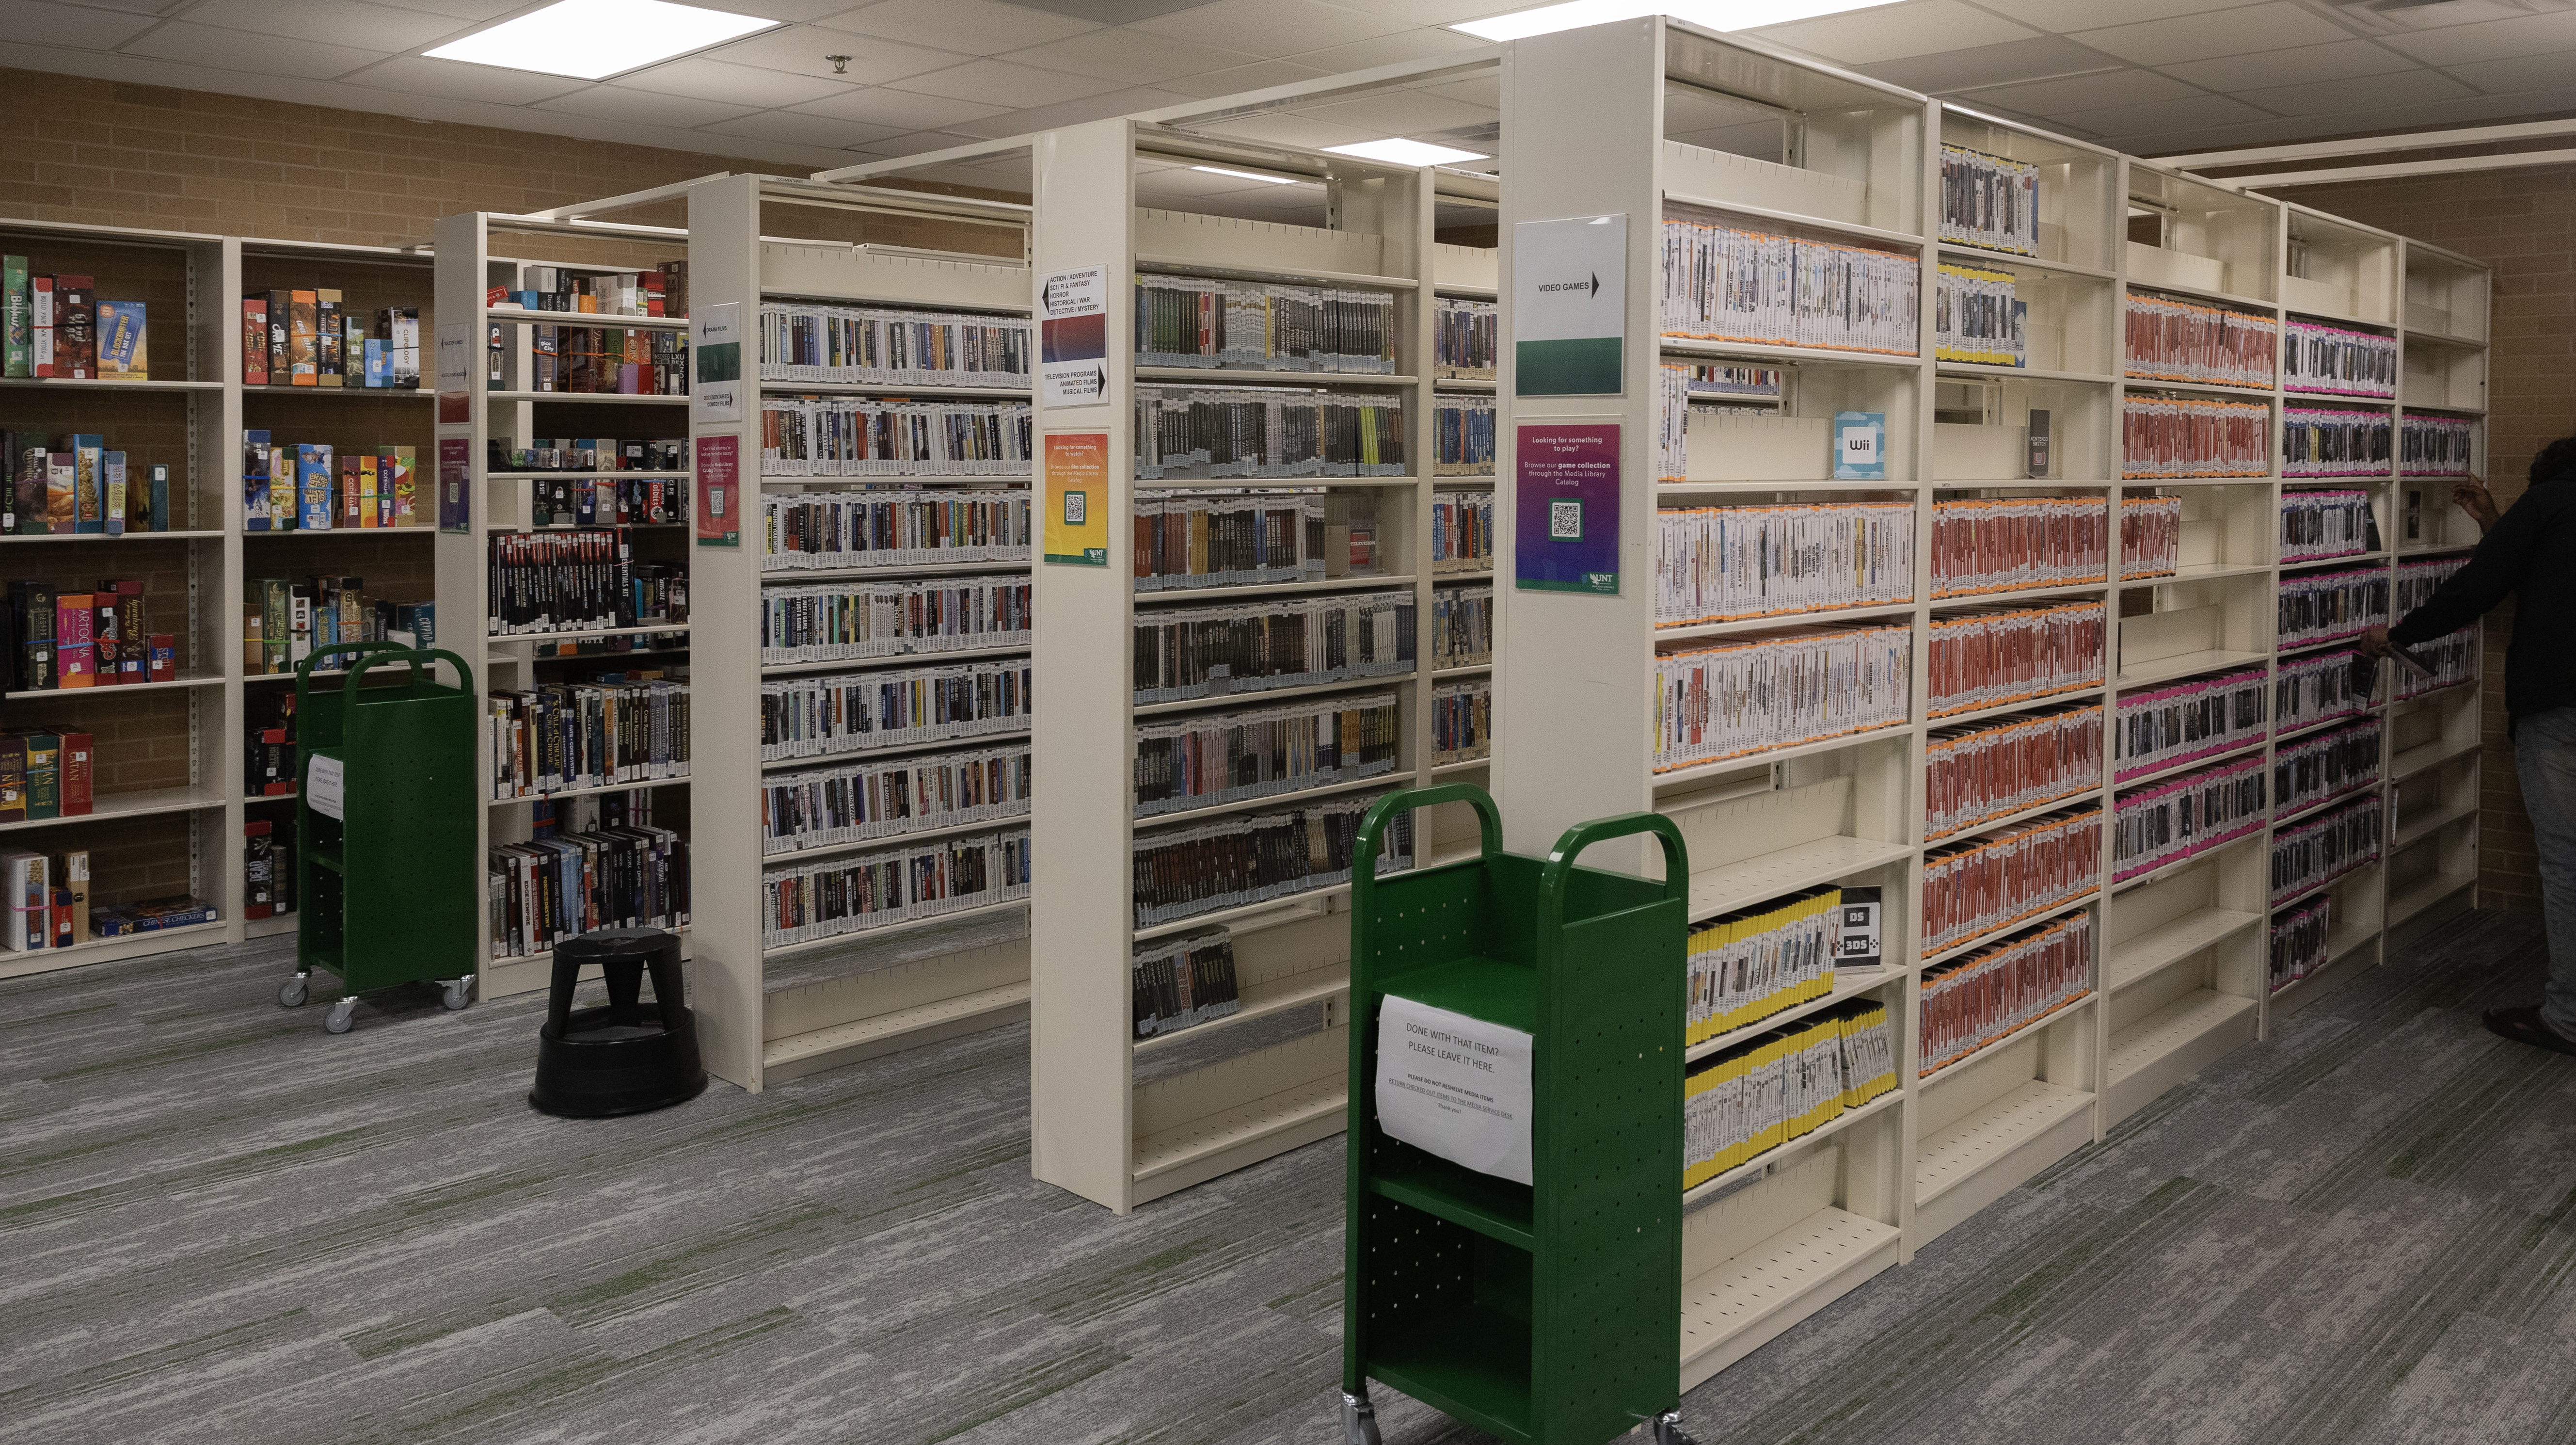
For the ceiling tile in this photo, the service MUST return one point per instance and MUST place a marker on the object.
(813, 130)
(2041, 57)
(1071, 112)
(903, 109)
(420, 75)
(998, 82)
(2495, 40)
(1401, 113)
(1390, 50)
(978, 27)
(1132, 57)
(918, 143)
(799, 50)
(2341, 60)
(644, 107)
(1292, 130)
(741, 84)
(1259, 76)
(2126, 120)
(794, 11)
(1890, 31)
(241, 50)
(1440, 12)
(1484, 89)
(1272, 27)
(2526, 72)
(330, 22)
(464, 10)
(2201, 37)
(2330, 97)
(1109, 12)
(2060, 16)
(2090, 92)
(33, 22)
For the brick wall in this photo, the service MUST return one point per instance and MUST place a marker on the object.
(100, 152)
(2522, 223)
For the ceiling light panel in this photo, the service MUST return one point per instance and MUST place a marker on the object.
(592, 39)
(1247, 175)
(1400, 152)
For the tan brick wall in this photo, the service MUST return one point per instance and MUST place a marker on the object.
(2522, 223)
(99, 152)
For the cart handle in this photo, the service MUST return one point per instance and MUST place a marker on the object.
(413, 656)
(313, 659)
(1489, 821)
(1570, 845)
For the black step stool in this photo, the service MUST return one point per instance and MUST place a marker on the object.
(618, 1059)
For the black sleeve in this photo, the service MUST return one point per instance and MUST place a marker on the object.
(2499, 566)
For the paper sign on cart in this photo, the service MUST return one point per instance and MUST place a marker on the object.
(1455, 1086)
(324, 787)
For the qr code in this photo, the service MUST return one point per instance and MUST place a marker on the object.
(1565, 520)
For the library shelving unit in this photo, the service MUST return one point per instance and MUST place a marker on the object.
(166, 816)
(395, 563)
(1464, 273)
(770, 1013)
(1755, 139)
(480, 356)
(1116, 1119)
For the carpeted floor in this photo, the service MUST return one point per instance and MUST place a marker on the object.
(218, 1224)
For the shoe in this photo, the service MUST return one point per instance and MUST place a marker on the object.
(2523, 1026)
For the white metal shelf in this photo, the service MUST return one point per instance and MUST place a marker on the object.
(65, 383)
(1848, 983)
(1804, 355)
(1718, 1184)
(144, 803)
(962, 743)
(1910, 240)
(2237, 753)
(555, 797)
(2174, 1028)
(192, 678)
(1260, 1001)
(993, 1005)
(2160, 948)
(1957, 1154)
(521, 316)
(901, 659)
(1233, 377)
(1807, 865)
(1689, 631)
(22, 538)
(614, 398)
(938, 391)
(1256, 696)
(1718, 767)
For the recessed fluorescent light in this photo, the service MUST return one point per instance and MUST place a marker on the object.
(1247, 175)
(1714, 14)
(589, 39)
(1406, 152)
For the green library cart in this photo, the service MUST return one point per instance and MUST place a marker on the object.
(1546, 1312)
(385, 827)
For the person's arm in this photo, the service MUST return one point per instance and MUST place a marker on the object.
(2473, 498)
(2494, 570)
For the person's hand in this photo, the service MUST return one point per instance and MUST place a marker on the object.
(2473, 498)
(2375, 643)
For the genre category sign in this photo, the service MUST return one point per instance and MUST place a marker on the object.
(1570, 306)
(1077, 498)
(1073, 337)
(455, 474)
(1566, 521)
(715, 344)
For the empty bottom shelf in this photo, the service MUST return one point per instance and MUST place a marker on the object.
(1313, 1109)
(1960, 1152)
(1732, 1309)
(2172, 943)
(966, 1010)
(2174, 1043)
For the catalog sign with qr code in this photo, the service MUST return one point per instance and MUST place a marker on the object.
(1567, 522)
(1077, 498)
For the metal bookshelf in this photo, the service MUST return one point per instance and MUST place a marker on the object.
(1756, 136)
(478, 252)
(772, 1013)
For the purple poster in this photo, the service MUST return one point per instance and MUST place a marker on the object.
(1567, 524)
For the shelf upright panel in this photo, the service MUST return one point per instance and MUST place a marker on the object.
(178, 826)
(453, 369)
(1081, 1096)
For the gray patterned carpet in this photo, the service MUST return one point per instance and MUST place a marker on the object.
(218, 1224)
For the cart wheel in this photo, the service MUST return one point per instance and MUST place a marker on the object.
(460, 992)
(1668, 1430)
(290, 994)
(343, 1014)
(1359, 1420)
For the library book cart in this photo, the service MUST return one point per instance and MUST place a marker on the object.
(1329, 448)
(1536, 1311)
(2152, 950)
